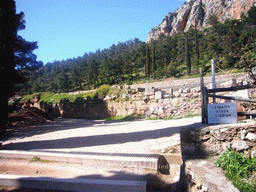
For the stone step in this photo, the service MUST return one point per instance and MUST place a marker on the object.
(166, 164)
(149, 161)
(73, 184)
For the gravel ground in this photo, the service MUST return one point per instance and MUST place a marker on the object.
(74, 135)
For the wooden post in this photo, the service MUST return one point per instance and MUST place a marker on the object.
(204, 106)
(202, 95)
(201, 78)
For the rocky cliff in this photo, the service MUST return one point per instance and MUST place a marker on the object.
(199, 10)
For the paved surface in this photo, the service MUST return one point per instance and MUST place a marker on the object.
(96, 136)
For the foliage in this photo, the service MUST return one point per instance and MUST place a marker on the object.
(238, 169)
(38, 159)
(48, 97)
(168, 56)
(17, 59)
(103, 90)
(35, 159)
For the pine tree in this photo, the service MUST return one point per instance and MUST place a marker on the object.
(9, 23)
(188, 56)
(153, 58)
(64, 82)
(147, 62)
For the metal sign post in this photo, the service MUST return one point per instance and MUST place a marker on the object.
(213, 77)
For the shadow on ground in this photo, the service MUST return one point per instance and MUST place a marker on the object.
(56, 125)
(96, 140)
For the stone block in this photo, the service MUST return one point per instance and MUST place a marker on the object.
(159, 95)
(149, 91)
(186, 90)
(175, 101)
(117, 86)
(131, 111)
(151, 97)
(253, 154)
(169, 91)
(196, 89)
(251, 136)
(242, 94)
(234, 83)
(139, 89)
(240, 145)
(131, 91)
(166, 101)
(176, 94)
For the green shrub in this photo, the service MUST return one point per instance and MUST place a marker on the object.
(103, 90)
(238, 169)
(47, 97)
(127, 98)
(35, 158)
(28, 98)
(80, 100)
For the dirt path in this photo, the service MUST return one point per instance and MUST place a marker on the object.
(97, 136)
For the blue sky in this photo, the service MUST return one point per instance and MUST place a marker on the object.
(69, 28)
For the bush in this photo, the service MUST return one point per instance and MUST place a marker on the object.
(103, 90)
(238, 169)
(47, 97)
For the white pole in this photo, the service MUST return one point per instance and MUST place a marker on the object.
(213, 77)
(248, 94)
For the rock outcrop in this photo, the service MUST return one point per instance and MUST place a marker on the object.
(199, 11)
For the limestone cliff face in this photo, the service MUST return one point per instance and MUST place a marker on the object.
(199, 11)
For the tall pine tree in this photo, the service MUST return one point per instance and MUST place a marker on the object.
(9, 23)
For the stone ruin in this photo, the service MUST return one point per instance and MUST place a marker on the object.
(159, 102)
(164, 102)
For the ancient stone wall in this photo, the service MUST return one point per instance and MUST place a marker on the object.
(164, 102)
(151, 102)
(214, 140)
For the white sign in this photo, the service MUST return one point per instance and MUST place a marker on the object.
(222, 113)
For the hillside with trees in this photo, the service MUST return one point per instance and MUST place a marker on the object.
(231, 44)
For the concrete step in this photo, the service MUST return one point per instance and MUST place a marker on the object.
(166, 164)
(156, 162)
(74, 184)
(149, 161)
